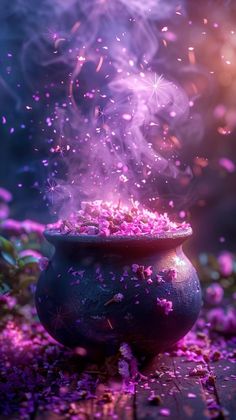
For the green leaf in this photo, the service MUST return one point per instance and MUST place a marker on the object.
(8, 258)
(4, 288)
(28, 261)
(6, 246)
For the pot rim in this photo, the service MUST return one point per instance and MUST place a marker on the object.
(54, 236)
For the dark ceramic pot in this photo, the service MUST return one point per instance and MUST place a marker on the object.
(75, 294)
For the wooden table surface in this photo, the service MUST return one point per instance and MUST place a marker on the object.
(167, 389)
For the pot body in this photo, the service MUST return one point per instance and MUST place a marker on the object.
(95, 296)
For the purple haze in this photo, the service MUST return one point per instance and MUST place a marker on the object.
(111, 128)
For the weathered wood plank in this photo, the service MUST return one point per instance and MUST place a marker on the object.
(47, 415)
(225, 383)
(181, 395)
(108, 404)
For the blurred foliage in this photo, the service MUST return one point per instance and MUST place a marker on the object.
(16, 272)
(22, 247)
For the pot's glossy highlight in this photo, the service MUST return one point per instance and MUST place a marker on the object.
(74, 296)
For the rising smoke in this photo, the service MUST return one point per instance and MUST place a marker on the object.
(110, 129)
(117, 103)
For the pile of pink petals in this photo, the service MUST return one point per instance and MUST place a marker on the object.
(106, 218)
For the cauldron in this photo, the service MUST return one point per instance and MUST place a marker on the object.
(98, 292)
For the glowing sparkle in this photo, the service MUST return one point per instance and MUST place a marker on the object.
(158, 89)
(52, 189)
